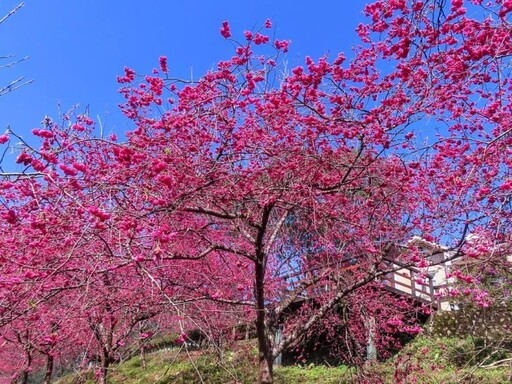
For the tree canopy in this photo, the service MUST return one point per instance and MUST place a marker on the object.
(255, 188)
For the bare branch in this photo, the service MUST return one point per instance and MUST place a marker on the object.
(16, 9)
(12, 63)
(276, 231)
(212, 212)
(16, 84)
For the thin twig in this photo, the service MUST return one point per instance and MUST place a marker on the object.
(12, 12)
(12, 63)
(16, 84)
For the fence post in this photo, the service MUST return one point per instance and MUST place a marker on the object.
(371, 349)
(277, 339)
(431, 288)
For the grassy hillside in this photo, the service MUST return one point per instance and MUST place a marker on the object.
(423, 361)
(174, 366)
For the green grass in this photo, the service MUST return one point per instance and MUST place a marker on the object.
(424, 361)
(444, 360)
(312, 375)
(175, 366)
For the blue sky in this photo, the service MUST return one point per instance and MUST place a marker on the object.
(77, 48)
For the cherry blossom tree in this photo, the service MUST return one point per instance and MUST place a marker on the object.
(251, 191)
(329, 167)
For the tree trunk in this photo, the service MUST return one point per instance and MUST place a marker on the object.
(28, 362)
(104, 337)
(263, 327)
(265, 372)
(142, 349)
(23, 377)
(265, 358)
(105, 363)
(49, 369)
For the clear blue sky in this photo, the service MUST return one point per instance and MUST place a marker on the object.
(78, 47)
